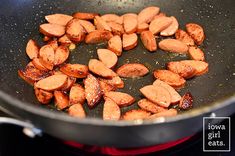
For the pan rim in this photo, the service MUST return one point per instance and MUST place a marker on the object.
(10, 100)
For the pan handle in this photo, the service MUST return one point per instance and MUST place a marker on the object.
(28, 129)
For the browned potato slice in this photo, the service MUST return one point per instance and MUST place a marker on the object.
(148, 40)
(196, 53)
(129, 41)
(167, 113)
(60, 19)
(111, 110)
(200, 66)
(75, 30)
(150, 106)
(183, 36)
(115, 45)
(170, 78)
(173, 45)
(77, 110)
(157, 94)
(175, 96)
(159, 24)
(93, 91)
(136, 114)
(98, 36)
(85, 15)
(100, 69)
(31, 74)
(112, 18)
(107, 57)
(115, 81)
(184, 70)
(101, 24)
(77, 94)
(32, 49)
(64, 40)
(147, 14)
(53, 82)
(117, 29)
(61, 55)
(130, 23)
(38, 64)
(75, 70)
(132, 70)
(171, 29)
(47, 56)
(52, 30)
(106, 87)
(196, 32)
(61, 100)
(122, 99)
(87, 25)
(43, 96)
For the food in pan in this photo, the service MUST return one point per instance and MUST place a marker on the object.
(55, 79)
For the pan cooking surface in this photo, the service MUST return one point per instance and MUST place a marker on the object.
(20, 20)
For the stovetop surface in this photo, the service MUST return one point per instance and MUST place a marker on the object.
(13, 142)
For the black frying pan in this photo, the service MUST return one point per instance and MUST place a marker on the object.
(213, 92)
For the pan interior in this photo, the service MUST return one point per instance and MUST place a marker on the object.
(19, 22)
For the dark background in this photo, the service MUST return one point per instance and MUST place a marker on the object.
(13, 142)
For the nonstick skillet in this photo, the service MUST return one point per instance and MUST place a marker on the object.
(213, 92)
